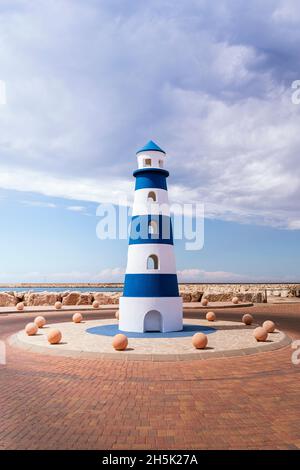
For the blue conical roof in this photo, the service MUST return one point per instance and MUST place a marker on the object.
(151, 146)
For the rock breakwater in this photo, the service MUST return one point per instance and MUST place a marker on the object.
(256, 293)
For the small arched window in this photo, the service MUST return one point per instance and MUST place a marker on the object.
(151, 196)
(147, 162)
(152, 227)
(152, 262)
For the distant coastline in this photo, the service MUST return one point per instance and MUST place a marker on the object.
(34, 294)
(12, 285)
(86, 285)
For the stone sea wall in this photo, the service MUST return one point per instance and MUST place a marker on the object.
(256, 293)
(33, 299)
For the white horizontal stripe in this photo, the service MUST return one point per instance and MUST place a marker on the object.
(138, 255)
(157, 159)
(133, 311)
(143, 206)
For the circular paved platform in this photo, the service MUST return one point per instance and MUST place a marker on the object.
(229, 339)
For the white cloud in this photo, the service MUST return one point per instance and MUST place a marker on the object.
(220, 105)
(115, 274)
(110, 275)
(287, 12)
(200, 275)
(248, 168)
(50, 205)
(294, 225)
(76, 208)
(83, 189)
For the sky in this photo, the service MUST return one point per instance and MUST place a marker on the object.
(90, 82)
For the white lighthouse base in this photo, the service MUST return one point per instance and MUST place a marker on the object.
(141, 314)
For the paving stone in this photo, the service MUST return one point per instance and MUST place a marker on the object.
(242, 402)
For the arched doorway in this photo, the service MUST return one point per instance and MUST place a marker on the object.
(153, 321)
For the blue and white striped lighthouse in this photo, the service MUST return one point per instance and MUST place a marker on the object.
(151, 300)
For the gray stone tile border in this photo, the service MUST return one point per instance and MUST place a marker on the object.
(90, 308)
(216, 305)
(15, 341)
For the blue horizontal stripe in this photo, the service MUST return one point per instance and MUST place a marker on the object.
(151, 285)
(151, 178)
(139, 230)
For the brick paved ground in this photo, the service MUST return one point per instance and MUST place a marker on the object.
(49, 402)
